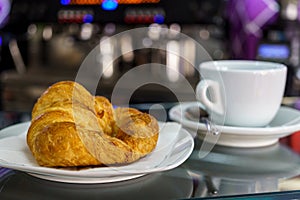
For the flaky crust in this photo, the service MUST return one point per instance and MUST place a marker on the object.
(72, 128)
(138, 130)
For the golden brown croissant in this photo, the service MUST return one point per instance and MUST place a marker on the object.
(70, 127)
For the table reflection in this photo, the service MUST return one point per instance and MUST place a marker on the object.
(243, 170)
(175, 184)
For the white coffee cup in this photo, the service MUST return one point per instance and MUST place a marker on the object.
(241, 92)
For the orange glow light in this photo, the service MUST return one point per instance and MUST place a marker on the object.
(98, 2)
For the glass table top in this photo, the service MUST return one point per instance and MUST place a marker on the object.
(226, 172)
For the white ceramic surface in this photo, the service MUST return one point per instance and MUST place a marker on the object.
(286, 122)
(242, 93)
(174, 146)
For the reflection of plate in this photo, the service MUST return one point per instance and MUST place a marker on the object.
(173, 148)
(269, 162)
(286, 122)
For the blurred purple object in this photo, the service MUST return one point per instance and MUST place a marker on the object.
(298, 8)
(4, 171)
(297, 104)
(4, 11)
(247, 19)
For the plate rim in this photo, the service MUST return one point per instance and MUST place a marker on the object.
(87, 180)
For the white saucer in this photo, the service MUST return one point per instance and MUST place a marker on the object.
(286, 122)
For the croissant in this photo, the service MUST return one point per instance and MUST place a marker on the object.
(72, 128)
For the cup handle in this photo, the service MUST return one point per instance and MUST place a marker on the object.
(214, 103)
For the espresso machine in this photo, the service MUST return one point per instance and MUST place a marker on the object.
(280, 43)
(43, 42)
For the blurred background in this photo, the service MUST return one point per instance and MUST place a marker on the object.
(42, 42)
